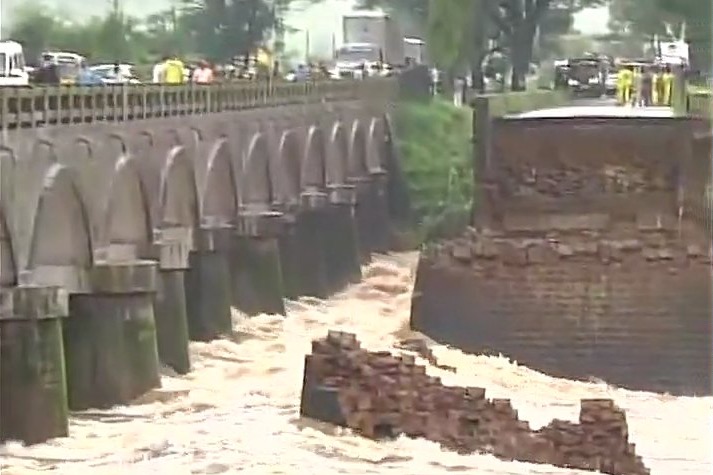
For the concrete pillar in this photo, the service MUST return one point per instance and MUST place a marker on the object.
(341, 245)
(310, 237)
(110, 336)
(207, 284)
(287, 243)
(172, 249)
(255, 265)
(33, 391)
(380, 212)
(372, 214)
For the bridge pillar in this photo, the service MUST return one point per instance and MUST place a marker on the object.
(33, 394)
(341, 246)
(172, 249)
(255, 264)
(310, 230)
(289, 250)
(110, 336)
(207, 284)
(372, 214)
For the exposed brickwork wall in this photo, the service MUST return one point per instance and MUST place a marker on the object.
(382, 395)
(634, 312)
(620, 168)
(598, 256)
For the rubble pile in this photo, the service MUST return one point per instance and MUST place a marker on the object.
(381, 395)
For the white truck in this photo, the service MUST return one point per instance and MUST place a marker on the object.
(13, 70)
(369, 38)
(415, 50)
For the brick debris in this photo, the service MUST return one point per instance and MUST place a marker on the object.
(381, 395)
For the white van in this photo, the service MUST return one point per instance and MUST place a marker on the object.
(12, 65)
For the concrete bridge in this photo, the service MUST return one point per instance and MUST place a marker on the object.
(130, 223)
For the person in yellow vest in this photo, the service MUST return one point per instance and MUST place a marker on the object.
(626, 78)
(657, 90)
(667, 87)
(174, 71)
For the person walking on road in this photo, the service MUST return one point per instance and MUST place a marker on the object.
(174, 71)
(626, 81)
(159, 71)
(667, 86)
(657, 89)
(646, 86)
(203, 74)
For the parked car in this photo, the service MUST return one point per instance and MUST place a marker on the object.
(108, 75)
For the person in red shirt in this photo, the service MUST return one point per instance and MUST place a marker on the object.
(203, 74)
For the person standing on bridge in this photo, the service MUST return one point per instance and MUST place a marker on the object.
(667, 86)
(159, 71)
(174, 71)
(625, 80)
(647, 83)
(203, 74)
(657, 90)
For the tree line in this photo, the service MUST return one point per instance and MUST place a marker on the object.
(460, 33)
(211, 29)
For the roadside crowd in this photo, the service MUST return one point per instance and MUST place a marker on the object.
(645, 86)
(172, 70)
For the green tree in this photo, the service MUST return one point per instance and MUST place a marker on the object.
(34, 27)
(518, 22)
(223, 28)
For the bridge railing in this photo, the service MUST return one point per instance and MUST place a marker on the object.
(29, 107)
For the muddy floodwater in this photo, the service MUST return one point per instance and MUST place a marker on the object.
(238, 411)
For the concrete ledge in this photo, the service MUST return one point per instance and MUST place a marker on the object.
(124, 278)
(215, 238)
(266, 224)
(313, 200)
(342, 194)
(73, 279)
(33, 303)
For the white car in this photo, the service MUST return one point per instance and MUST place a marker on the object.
(108, 76)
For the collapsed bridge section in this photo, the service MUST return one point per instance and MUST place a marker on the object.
(590, 255)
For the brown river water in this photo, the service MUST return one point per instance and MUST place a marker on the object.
(238, 411)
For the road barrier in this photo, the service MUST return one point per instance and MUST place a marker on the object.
(30, 107)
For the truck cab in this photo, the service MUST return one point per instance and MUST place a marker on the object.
(12, 65)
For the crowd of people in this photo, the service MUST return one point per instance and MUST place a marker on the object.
(648, 85)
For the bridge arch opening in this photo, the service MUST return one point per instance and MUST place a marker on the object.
(357, 162)
(255, 184)
(289, 153)
(83, 150)
(178, 201)
(61, 237)
(220, 197)
(127, 220)
(375, 146)
(338, 155)
(314, 166)
(43, 151)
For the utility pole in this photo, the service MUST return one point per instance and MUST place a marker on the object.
(480, 43)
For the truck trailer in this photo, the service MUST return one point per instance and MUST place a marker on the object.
(371, 37)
